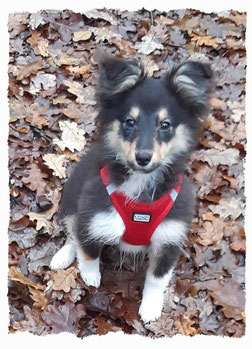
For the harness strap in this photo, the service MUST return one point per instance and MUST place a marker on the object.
(140, 219)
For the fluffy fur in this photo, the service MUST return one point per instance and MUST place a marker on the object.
(148, 129)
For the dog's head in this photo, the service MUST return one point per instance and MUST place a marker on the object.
(150, 122)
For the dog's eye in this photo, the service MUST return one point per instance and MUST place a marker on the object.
(130, 123)
(165, 125)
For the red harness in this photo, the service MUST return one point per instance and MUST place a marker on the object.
(140, 219)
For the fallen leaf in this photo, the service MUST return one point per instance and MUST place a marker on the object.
(83, 35)
(185, 326)
(43, 80)
(41, 300)
(41, 255)
(39, 44)
(148, 45)
(15, 274)
(55, 162)
(72, 136)
(35, 180)
(230, 296)
(211, 231)
(64, 318)
(214, 157)
(64, 279)
(85, 95)
(41, 222)
(105, 325)
(27, 70)
(102, 15)
(205, 40)
(233, 208)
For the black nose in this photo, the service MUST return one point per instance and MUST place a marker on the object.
(143, 158)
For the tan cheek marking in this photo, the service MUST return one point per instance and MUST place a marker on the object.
(156, 152)
(134, 112)
(85, 255)
(129, 150)
(162, 114)
(180, 138)
(160, 151)
(112, 135)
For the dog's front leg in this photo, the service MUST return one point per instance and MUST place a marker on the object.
(88, 257)
(159, 273)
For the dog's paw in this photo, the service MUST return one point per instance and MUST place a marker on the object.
(63, 258)
(91, 278)
(151, 308)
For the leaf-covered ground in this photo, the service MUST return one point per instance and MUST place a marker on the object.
(52, 76)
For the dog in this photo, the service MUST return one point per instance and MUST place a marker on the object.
(130, 189)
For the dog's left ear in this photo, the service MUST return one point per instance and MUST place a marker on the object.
(192, 82)
(117, 75)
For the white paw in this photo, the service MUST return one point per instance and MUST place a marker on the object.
(91, 278)
(151, 307)
(63, 258)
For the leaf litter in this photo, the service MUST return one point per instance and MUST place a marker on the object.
(52, 78)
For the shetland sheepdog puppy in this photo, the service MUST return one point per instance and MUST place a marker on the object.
(130, 189)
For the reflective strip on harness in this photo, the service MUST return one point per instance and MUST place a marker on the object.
(140, 219)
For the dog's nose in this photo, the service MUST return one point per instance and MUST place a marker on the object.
(143, 158)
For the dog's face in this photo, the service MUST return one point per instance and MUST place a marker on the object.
(151, 122)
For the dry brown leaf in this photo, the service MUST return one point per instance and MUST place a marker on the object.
(35, 180)
(205, 40)
(85, 95)
(228, 295)
(41, 300)
(41, 222)
(39, 44)
(72, 136)
(55, 162)
(211, 231)
(82, 35)
(72, 111)
(83, 70)
(185, 326)
(15, 274)
(233, 207)
(65, 279)
(27, 70)
(216, 157)
(148, 45)
(239, 19)
(43, 219)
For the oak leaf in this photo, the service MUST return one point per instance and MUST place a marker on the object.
(55, 162)
(64, 318)
(72, 136)
(205, 40)
(82, 35)
(85, 95)
(42, 221)
(41, 300)
(15, 274)
(64, 279)
(35, 180)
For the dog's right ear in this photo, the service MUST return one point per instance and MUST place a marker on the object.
(116, 75)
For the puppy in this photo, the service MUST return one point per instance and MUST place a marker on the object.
(130, 189)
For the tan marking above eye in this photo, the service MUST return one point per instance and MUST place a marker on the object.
(134, 112)
(162, 114)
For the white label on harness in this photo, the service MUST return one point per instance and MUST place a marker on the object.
(141, 217)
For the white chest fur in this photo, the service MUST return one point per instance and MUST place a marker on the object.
(108, 228)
